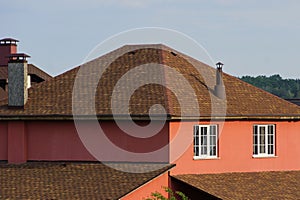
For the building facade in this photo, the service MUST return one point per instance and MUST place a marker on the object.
(213, 123)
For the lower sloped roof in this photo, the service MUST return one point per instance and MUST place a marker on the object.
(57, 180)
(250, 185)
(32, 69)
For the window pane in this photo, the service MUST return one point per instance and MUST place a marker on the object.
(255, 138)
(262, 135)
(270, 139)
(212, 151)
(203, 130)
(255, 149)
(204, 140)
(262, 149)
(196, 151)
(213, 140)
(196, 131)
(270, 129)
(270, 149)
(203, 150)
(255, 130)
(196, 141)
(262, 140)
(212, 130)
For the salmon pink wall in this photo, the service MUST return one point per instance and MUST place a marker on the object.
(145, 190)
(3, 140)
(235, 149)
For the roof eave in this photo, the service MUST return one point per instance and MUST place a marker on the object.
(168, 117)
(241, 117)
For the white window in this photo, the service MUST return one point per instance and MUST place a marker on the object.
(205, 141)
(263, 140)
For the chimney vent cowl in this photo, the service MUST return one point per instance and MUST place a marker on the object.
(219, 87)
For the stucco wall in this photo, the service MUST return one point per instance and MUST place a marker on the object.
(59, 140)
(54, 140)
(145, 191)
(235, 149)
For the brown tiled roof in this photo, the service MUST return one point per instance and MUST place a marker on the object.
(54, 97)
(32, 69)
(252, 185)
(3, 94)
(56, 180)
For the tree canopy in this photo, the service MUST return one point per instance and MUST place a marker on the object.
(275, 84)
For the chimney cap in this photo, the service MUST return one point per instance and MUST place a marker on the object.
(18, 57)
(6, 41)
(219, 65)
(9, 39)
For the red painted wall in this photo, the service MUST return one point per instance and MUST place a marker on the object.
(16, 142)
(3, 140)
(59, 140)
(235, 149)
(55, 140)
(145, 190)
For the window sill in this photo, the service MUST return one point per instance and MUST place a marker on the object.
(264, 156)
(206, 158)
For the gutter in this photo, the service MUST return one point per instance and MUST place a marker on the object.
(167, 117)
(259, 117)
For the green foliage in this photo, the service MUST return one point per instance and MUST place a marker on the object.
(159, 196)
(275, 84)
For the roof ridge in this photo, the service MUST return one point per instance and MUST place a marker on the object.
(168, 101)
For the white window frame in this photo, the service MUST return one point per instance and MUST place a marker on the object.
(203, 143)
(261, 149)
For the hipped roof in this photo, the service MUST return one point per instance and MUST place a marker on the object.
(119, 71)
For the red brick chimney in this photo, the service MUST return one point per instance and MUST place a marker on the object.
(8, 46)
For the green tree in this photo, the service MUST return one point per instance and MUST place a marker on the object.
(159, 196)
(275, 84)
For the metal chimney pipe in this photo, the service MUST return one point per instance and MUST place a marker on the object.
(219, 87)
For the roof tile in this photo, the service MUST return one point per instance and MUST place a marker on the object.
(69, 180)
(251, 185)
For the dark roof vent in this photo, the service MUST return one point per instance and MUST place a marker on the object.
(173, 53)
(131, 52)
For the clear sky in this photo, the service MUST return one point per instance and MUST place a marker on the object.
(250, 37)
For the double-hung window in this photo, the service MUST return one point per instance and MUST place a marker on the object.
(263, 140)
(205, 141)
